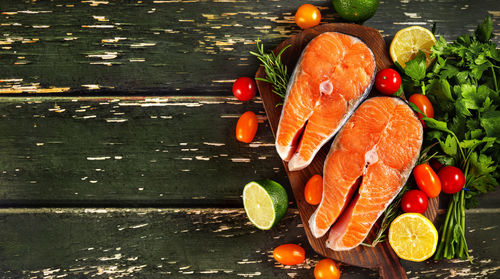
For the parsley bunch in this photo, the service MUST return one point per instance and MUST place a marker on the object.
(463, 87)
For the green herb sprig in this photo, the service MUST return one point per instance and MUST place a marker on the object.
(276, 71)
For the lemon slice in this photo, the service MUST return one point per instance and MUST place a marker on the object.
(408, 41)
(413, 237)
(265, 202)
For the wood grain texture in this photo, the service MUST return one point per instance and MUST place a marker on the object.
(139, 151)
(175, 151)
(191, 243)
(148, 243)
(381, 256)
(176, 46)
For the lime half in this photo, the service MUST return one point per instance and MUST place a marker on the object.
(265, 202)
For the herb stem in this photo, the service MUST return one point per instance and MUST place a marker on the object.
(444, 233)
(494, 78)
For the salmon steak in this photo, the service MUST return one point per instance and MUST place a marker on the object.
(334, 74)
(367, 166)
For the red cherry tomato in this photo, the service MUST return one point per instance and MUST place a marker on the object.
(425, 106)
(326, 269)
(307, 16)
(313, 191)
(414, 201)
(289, 254)
(244, 88)
(452, 179)
(387, 81)
(427, 180)
(246, 128)
(435, 164)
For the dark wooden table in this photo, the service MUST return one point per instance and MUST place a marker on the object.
(117, 154)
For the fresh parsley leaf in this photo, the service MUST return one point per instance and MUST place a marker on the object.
(458, 125)
(449, 146)
(439, 48)
(436, 124)
(440, 88)
(473, 143)
(490, 121)
(416, 67)
(471, 98)
(482, 164)
(448, 71)
(463, 76)
(484, 30)
(399, 92)
(461, 107)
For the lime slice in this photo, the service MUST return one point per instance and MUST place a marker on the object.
(265, 202)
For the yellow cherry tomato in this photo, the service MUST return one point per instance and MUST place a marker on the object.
(313, 191)
(246, 128)
(307, 16)
(289, 254)
(326, 269)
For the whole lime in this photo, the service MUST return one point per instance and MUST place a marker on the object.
(356, 10)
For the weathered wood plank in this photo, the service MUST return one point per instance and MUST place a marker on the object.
(165, 151)
(175, 46)
(194, 243)
(130, 151)
(147, 243)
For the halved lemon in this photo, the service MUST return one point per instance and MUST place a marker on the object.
(408, 41)
(413, 237)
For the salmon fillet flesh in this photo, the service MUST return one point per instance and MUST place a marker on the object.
(333, 75)
(376, 149)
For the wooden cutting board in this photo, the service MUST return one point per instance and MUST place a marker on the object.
(382, 256)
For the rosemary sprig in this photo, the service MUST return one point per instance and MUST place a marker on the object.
(276, 71)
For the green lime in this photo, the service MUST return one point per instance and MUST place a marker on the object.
(265, 202)
(356, 10)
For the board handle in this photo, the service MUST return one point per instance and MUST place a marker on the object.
(390, 266)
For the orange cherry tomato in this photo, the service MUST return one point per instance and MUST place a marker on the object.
(246, 128)
(314, 190)
(423, 103)
(307, 16)
(289, 254)
(326, 269)
(427, 180)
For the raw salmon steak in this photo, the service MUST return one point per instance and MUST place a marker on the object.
(369, 162)
(333, 75)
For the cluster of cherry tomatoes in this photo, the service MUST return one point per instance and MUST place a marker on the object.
(388, 82)
(244, 89)
(448, 179)
(292, 254)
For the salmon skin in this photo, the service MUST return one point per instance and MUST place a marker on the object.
(377, 150)
(334, 74)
